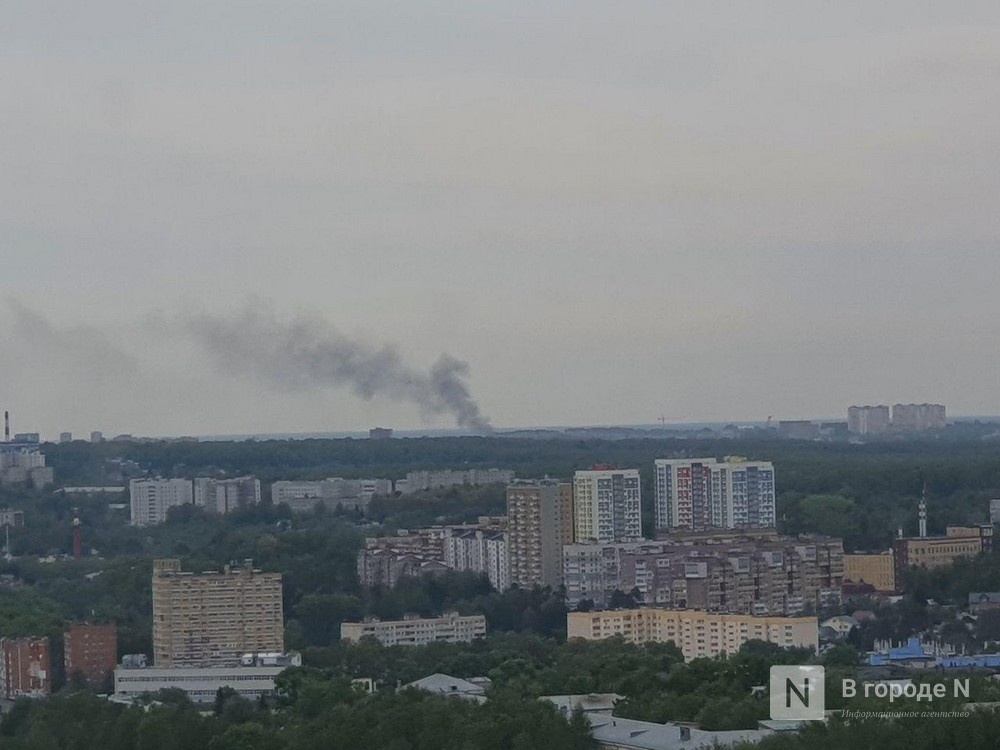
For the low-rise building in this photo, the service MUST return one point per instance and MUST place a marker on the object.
(473, 689)
(90, 652)
(413, 630)
(615, 733)
(27, 667)
(697, 633)
(879, 570)
(418, 481)
(303, 497)
(253, 677)
(937, 551)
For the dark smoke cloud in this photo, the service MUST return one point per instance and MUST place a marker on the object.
(310, 354)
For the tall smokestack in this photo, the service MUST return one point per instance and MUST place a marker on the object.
(6, 426)
(922, 513)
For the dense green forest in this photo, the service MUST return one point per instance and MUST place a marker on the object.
(862, 493)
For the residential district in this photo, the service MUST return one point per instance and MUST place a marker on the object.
(713, 576)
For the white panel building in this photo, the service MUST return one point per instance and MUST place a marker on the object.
(607, 505)
(695, 494)
(226, 495)
(150, 499)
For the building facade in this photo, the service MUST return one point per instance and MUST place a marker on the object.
(417, 631)
(697, 633)
(607, 505)
(90, 652)
(251, 678)
(937, 551)
(757, 573)
(226, 495)
(879, 570)
(27, 667)
(703, 493)
(539, 523)
(918, 417)
(211, 619)
(478, 550)
(151, 499)
(302, 497)
(868, 420)
(419, 481)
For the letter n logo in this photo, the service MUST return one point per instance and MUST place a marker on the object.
(797, 693)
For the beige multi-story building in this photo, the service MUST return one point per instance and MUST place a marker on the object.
(539, 523)
(417, 631)
(213, 618)
(937, 551)
(697, 633)
(607, 505)
(876, 569)
(750, 572)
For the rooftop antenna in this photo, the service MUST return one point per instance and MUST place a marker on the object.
(922, 513)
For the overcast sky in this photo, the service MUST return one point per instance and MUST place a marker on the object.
(610, 211)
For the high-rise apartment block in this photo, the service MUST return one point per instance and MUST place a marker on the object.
(698, 634)
(212, 619)
(758, 573)
(539, 523)
(607, 505)
(27, 667)
(151, 499)
(868, 420)
(917, 417)
(696, 494)
(478, 550)
(91, 652)
(451, 627)
(226, 495)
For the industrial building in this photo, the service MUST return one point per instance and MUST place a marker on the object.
(450, 627)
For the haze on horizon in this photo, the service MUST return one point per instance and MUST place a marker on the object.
(610, 213)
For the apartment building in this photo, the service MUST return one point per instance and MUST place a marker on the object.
(226, 495)
(212, 618)
(27, 667)
(868, 420)
(607, 505)
(151, 499)
(539, 523)
(695, 494)
(90, 652)
(697, 633)
(478, 550)
(757, 573)
(878, 570)
(417, 631)
(918, 417)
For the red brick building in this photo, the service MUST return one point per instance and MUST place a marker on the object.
(91, 651)
(27, 668)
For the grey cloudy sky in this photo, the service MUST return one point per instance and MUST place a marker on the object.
(610, 211)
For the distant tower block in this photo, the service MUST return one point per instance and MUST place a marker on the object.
(380, 433)
(6, 426)
(77, 535)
